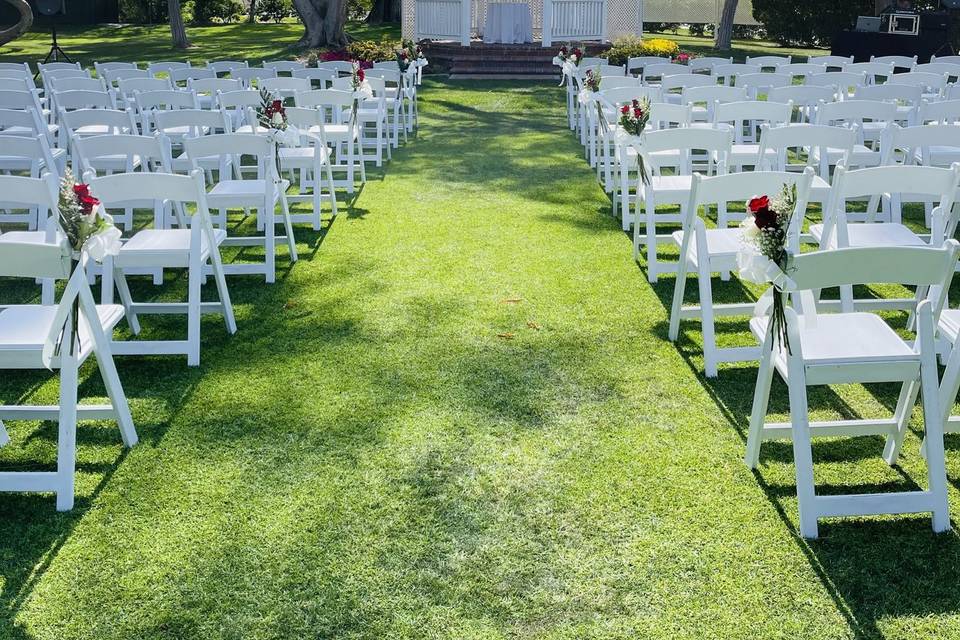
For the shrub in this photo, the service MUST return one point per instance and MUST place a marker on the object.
(632, 46)
(813, 22)
(275, 10)
(373, 50)
(210, 11)
(143, 11)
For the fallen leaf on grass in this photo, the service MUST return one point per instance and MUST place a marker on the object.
(290, 304)
(533, 325)
(511, 301)
(505, 336)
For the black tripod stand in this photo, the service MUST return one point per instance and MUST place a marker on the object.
(55, 53)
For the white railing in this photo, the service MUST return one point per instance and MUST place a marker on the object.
(443, 20)
(574, 20)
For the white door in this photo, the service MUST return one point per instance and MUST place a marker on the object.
(443, 20)
(574, 20)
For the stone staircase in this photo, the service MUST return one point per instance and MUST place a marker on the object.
(481, 60)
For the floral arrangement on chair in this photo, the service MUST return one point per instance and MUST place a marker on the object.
(89, 231)
(633, 120)
(591, 80)
(272, 116)
(763, 255)
(684, 57)
(568, 60)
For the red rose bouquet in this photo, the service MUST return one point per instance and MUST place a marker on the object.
(763, 255)
(634, 116)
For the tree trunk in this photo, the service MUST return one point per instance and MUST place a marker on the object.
(176, 25)
(323, 22)
(23, 24)
(384, 11)
(252, 15)
(724, 34)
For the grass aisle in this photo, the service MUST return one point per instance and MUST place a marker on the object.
(457, 417)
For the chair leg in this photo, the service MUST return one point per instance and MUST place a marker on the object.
(127, 301)
(67, 431)
(901, 415)
(651, 229)
(677, 305)
(802, 449)
(270, 244)
(636, 225)
(761, 400)
(706, 317)
(933, 425)
(288, 227)
(331, 189)
(194, 274)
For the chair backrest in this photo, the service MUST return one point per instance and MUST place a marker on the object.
(934, 82)
(252, 76)
(666, 115)
(152, 101)
(950, 59)
(20, 67)
(711, 94)
(728, 72)
(949, 69)
(19, 100)
(608, 69)
(322, 77)
(16, 84)
(59, 74)
(308, 121)
(873, 182)
(805, 99)
(671, 84)
(103, 68)
(616, 82)
(283, 66)
(78, 84)
(591, 62)
(41, 193)
(751, 113)
(832, 62)
(807, 138)
(662, 70)
(801, 69)
(383, 64)
(113, 77)
(35, 259)
(238, 101)
(762, 83)
(637, 63)
(741, 187)
(876, 72)
(616, 96)
(688, 141)
(127, 86)
(146, 153)
(210, 86)
(116, 121)
(21, 122)
(166, 66)
(57, 66)
(285, 86)
(179, 123)
(326, 98)
(232, 145)
(707, 63)
(769, 62)
(340, 66)
(899, 62)
(942, 112)
(915, 143)
(851, 112)
(32, 151)
(81, 99)
(909, 95)
(841, 81)
(227, 66)
(183, 76)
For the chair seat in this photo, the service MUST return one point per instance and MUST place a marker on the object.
(662, 185)
(25, 327)
(819, 190)
(721, 243)
(24, 236)
(165, 241)
(939, 156)
(302, 155)
(844, 338)
(248, 192)
(874, 234)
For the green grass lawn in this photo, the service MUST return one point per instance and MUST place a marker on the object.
(703, 46)
(458, 416)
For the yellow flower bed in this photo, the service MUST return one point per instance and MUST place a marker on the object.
(659, 47)
(632, 46)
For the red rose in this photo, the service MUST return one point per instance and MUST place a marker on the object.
(625, 109)
(360, 75)
(636, 103)
(756, 204)
(637, 113)
(563, 50)
(764, 218)
(81, 190)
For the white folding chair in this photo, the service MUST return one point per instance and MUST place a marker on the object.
(769, 62)
(221, 67)
(707, 63)
(283, 66)
(673, 188)
(372, 113)
(312, 161)
(876, 72)
(899, 62)
(727, 73)
(837, 63)
(263, 192)
(804, 98)
(195, 246)
(744, 118)
(182, 123)
(34, 157)
(340, 130)
(285, 87)
(857, 114)
(758, 84)
(856, 347)
(704, 99)
(29, 339)
(636, 64)
(149, 102)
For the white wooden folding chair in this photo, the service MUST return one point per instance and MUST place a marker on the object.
(703, 99)
(636, 64)
(707, 63)
(150, 102)
(728, 73)
(311, 160)
(769, 62)
(319, 78)
(371, 114)
(263, 192)
(340, 130)
(178, 124)
(858, 114)
(29, 339)
(906, 63)
(707, 251)
(744, 119)
(856, 347)
(221, 67)
(285, 86)
(195, 246)
(831, 62)
(758, 84)
(206, 89)
(664, 188)
(876, 72)
(166, 66)
(283, 66)
(33, 157)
